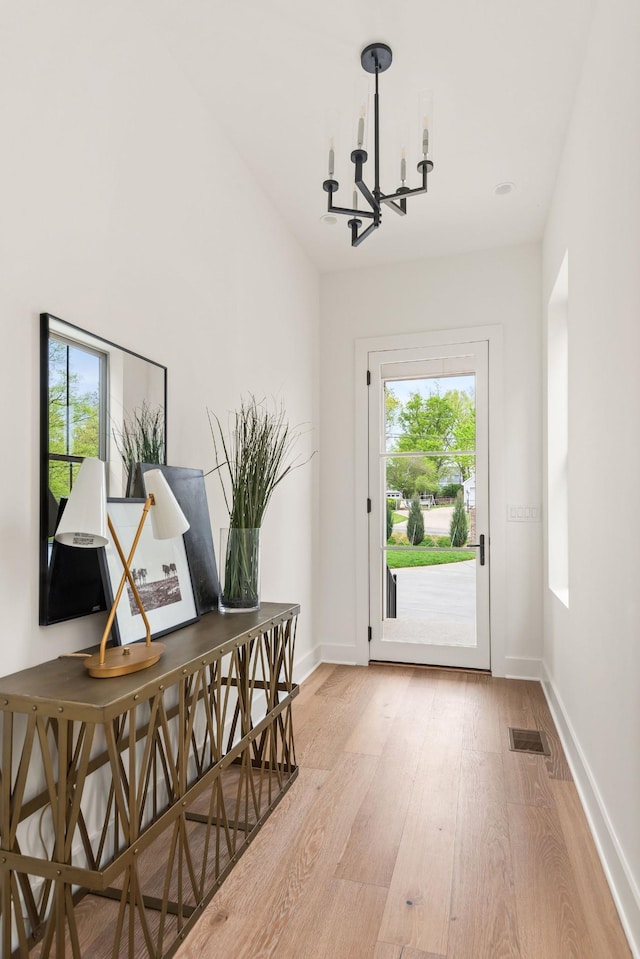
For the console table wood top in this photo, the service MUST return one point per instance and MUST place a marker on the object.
(63, 686)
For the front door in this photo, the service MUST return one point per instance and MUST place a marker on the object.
(428, 488)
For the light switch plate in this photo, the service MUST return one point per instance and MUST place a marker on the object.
(523, 514)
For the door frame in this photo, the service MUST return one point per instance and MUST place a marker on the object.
(497, 495)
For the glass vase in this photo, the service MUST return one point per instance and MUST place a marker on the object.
(239, 570)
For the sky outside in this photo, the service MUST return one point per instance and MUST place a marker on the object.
(431, 386)
(86, 367)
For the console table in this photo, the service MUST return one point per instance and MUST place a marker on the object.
(125, 802)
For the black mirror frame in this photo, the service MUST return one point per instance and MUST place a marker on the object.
(44, 618)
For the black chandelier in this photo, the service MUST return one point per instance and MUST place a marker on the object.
(375, 58)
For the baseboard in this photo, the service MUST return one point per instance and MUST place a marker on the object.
(522, 667)
(341, 655)
(623, 887)
(514, 667)
(305, 665)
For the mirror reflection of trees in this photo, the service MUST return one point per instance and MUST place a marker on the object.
(441, 425)
(74, 412)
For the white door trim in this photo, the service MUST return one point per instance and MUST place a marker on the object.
(497, 495)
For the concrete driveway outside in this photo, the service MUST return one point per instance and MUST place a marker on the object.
(435, 604)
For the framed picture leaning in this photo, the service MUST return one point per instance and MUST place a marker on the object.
(160, 571)
(187, 485)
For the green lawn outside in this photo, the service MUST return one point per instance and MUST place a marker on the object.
(399, 559)
(398, 518)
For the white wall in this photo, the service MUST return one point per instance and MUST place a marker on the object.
(482, 289)
(592, 649)
(126, 211)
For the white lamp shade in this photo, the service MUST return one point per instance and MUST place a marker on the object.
(167, 518)
(84, 521)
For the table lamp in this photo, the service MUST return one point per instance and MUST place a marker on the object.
(85, 524)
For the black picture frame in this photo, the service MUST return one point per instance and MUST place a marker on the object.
(188, 487)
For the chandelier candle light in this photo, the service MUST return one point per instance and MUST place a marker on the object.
(375, 58)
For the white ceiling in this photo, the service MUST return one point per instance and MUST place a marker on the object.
(502, 72)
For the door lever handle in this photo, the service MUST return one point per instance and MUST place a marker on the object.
(479, 546)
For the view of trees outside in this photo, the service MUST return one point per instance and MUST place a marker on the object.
(430, 441)
(434, 419)
(432, 422)
(459, 528)
(74, 410)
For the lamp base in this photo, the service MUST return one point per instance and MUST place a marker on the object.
(120, 660)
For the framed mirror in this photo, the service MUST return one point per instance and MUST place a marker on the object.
(93, 397)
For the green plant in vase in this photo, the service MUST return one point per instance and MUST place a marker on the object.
(141, 440)
(252, 460)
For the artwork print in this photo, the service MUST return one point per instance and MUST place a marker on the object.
(160, 571)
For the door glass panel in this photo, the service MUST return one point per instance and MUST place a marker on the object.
(429, 465)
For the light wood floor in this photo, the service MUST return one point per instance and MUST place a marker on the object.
(413, 832)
